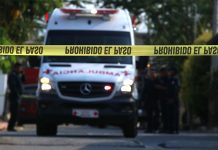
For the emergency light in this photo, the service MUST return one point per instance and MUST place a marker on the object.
(75, 11)
(107, 88)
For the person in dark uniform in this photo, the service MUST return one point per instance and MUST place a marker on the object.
(174, 99)
(15, 91)
(168, 87)
(162, 87)
(150, 101)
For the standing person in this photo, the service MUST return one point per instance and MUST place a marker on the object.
(15, 89)
(150, 101)
(174, 99)
(162, 87)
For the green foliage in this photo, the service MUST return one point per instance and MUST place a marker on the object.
(203, 38)
(5, 61)
(195, 83)
(18, 18)
(170, 21)
(4, 39)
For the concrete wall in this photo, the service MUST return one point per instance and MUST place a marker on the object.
(3, 87)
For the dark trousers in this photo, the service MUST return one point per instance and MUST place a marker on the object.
(152, 112)
(176, 117)
(170, 117)
(13, 107)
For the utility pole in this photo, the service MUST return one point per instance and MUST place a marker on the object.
(215, 17)
(213, 100)
(214, 59)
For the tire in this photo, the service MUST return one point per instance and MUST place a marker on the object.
(130, 128)
(43, 129)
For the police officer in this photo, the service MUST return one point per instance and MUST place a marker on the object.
(174, 99)
(15, 89)
(162, 87)
(150, 101)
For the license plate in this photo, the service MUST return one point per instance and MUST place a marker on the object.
(85, 113)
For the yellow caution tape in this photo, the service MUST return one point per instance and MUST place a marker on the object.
(108, 50)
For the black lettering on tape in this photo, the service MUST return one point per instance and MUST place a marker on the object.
(6, 50)
(210, 50)
(107, 50)
(197, 50)
(122, 50)
(156, 51)
(83, 50)
(88, 49)
(19, 49)
(34, 50)
(172, 50)
(67, 50)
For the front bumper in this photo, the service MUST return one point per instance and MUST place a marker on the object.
(116, 111)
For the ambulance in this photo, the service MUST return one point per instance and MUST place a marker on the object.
(87, 90)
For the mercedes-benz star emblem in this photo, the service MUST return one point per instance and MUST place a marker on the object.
(85, 88)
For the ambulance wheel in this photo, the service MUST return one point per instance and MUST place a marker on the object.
(130, 129)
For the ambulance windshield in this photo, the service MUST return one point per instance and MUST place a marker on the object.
(66, 37)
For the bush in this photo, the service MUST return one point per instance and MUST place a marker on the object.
(203, 38)
(195, 85)
(5, 61)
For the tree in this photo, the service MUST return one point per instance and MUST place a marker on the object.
(18, 21)
(5, 61)
(195, 91)
(18, 18)
(170, 21)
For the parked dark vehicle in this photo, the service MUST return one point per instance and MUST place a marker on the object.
(27, 112)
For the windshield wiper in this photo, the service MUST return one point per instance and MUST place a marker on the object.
(114, 66)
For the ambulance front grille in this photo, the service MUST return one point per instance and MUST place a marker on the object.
(85, 89)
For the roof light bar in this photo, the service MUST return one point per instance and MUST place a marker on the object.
(92, 11)
(69, 11)
(107, 11)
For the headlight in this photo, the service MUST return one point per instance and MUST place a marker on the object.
(126, 88)
(45, 84)
(44, 80)
(128, 82)
(45, 87)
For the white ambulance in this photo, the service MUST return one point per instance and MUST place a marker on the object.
(95, 90)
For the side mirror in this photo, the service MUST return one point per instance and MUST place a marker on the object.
(34, 61)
